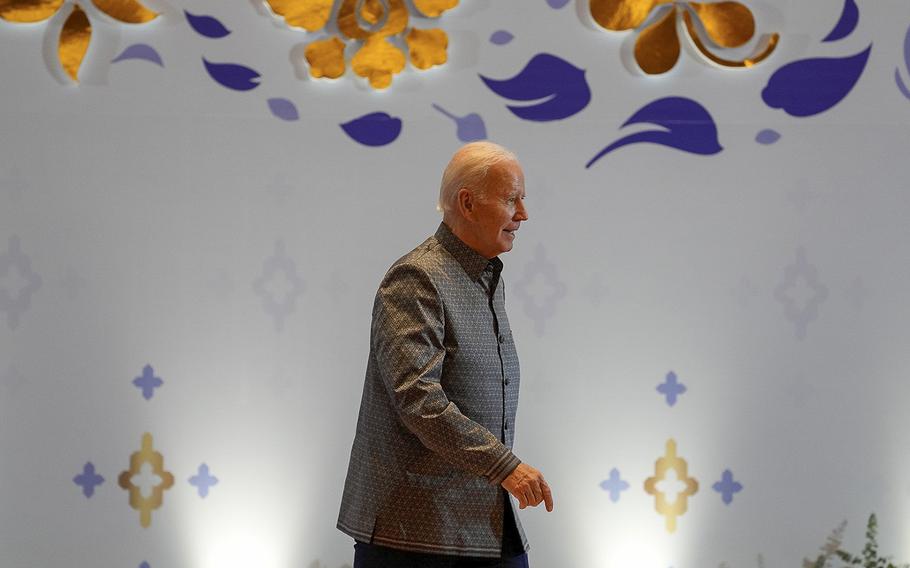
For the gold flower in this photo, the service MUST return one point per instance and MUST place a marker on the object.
(77, 30)
(374, 24)
(726, 24)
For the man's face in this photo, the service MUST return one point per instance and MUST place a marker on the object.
(498, 214)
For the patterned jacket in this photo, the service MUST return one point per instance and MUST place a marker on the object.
(436, 423)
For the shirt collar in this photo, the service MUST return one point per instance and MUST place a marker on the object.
(473, 262)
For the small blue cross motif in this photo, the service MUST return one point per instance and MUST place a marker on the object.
(727, 486)
(148, 382)
(615, 485)
(671, 388)
(202, 481)
(144, 565)
(88, 480)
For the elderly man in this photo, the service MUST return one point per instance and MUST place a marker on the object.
(432, 463)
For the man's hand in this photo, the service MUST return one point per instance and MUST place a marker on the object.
(527, 484)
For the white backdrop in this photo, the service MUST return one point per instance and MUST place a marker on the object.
(149, 216)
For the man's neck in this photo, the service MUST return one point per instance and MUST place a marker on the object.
(459, 230)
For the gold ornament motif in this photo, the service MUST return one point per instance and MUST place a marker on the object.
(146, 462)
(379, 26)
(77, 30)
(727, 25)
(667, 469)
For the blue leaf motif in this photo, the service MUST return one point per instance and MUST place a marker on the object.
(283, 109)
(897, 72)
(469, 127)
(207, 26)
(767, 136)
(142, 52)
(685, 125)
(232, 76)
(501, 37)
(558, 87)
(847, 23)
(374, 129)
(811, 86)
(902, 87)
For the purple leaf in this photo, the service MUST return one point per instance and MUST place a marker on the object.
(811, 86)
(207, 26)
(469, 127)
(232, 76)
(557, 4)
(684, 125)
(767, 136)
(283, 109)
(900, 83)
(848, 19)
(501, 37)
(140, 51)
(559, 88)
(374, 129)
(907, 50)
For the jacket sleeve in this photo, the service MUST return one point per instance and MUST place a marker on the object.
(407, 339)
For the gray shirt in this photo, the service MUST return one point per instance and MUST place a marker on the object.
(437, 415)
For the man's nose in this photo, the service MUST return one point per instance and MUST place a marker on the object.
(521, 214)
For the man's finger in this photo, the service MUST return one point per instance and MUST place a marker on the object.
(547, 496)
(536, 492)
(522, 501)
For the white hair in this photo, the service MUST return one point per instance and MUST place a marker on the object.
(468, 168)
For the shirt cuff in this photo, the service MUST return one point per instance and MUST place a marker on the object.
(504, 466)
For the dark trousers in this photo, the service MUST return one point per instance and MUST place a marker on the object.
(513, 556)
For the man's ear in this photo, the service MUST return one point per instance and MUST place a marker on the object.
(466, 203)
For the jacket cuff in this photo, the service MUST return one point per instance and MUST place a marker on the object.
(504, 466)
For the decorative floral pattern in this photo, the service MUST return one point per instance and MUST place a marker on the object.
(149, 463)
(727, 24)
(373, 23)
(668, 468)
(77, 30)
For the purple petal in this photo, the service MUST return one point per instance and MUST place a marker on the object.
(767, 136)
(811, 86)
(283, 109)
(232, 76)
(207, 26)
(848, 19)
(501, 37)
(140, 51)
(557, 4)
(374, 129)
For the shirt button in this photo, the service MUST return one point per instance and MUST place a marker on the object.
(502, 338)
(507, 424)
(506, 380)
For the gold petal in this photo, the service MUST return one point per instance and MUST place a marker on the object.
(378, 60)
(326, 58)
(766, 47)
(728, 24)
(27, 11)
(372, 12)
(657, 47)
(74, 39)
(311, 15)
(126, 11)
(427, 47)
(618, 15)
(434, 8)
